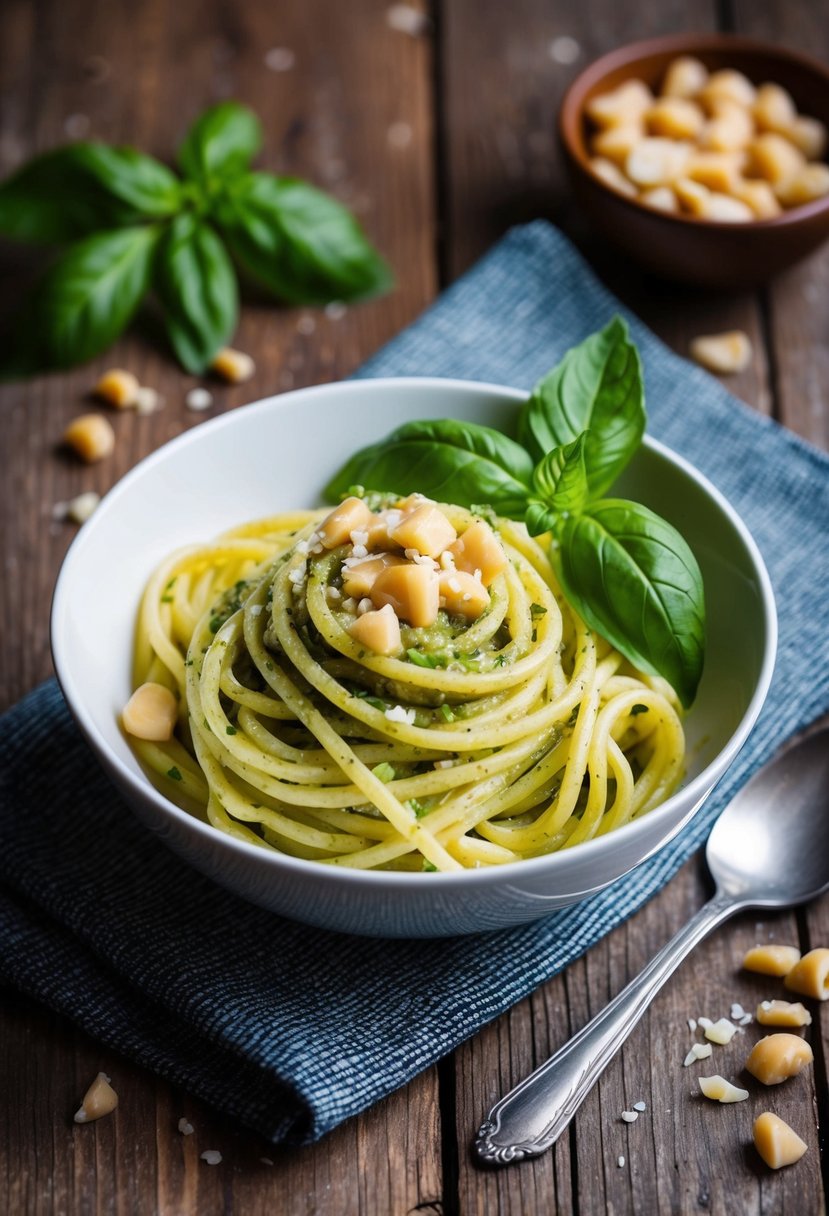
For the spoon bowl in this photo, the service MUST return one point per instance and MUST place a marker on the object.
(767, 849)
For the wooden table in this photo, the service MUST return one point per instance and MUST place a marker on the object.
(439, 138)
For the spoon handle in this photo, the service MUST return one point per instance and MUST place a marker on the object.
(534, 1114)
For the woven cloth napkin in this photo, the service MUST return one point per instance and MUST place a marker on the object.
(291, 1029)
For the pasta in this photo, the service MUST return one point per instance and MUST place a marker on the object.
(477, 742)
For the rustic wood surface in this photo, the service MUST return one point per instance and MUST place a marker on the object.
(440, 138)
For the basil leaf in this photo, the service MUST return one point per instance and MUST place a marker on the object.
(597, 387)
(484, 441)
(302, 245)
(84, 188)
(87, 298)
(540, 518)
(142, 183)
(221, 142)
(451, 461)
(561, 479)
(634, 579)
(197, 288)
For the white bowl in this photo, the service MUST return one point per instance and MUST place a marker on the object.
(279, 454)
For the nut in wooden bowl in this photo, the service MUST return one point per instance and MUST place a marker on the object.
(710, 155)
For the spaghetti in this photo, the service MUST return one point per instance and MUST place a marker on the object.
(479, 743)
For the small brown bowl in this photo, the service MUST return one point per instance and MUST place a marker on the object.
(682, 247)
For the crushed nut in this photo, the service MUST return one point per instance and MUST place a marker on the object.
(720, 1090)
(99, 1100)
(723, 353)
(777, 1057)
(233, 365)
(118, 388)
(810, 976)
(783, 1013)
(90, 436)
(771, 960)
(776, 1142)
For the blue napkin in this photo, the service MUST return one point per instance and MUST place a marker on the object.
(291, 1029)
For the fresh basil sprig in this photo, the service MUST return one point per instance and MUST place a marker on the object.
(627, 571)
(132, 225)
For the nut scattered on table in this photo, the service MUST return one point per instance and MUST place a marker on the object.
(771, 960)
(99, 1100)
(777, 1057)
(810, 976)
(776, 1142)
(725, 354)
(783, 1013)
(82, 506)
(233, 365)
(118, 388)
(720, 1090)
(90, 436)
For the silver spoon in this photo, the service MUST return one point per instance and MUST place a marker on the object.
(766, 850)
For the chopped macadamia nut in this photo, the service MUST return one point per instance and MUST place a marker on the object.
(612, 176)
(99, 1100)
(783, 1013)
(425, 529)
(185, 1127)
(727, 85)
(80, 508)
(90, 436)
(774, 158)
(411, 590)
(717, 170)
(720, 1090)
(810, 182)
(723, 353)
(810, 976)
(777, 1057)
(699, 1051)
(725, 210)
(776, 1142)
(729, 130)
(774, 109)
(675, 117)
(350, 516)
(685, 77)
(616, 143)
(150, 713)
(692, 195)
(759, 197)
(462, 594)
(233, 365)
(479, 550)
(809, 135)
(662, 198)
(771, 960)
(147, 400)
(721, 1032)
(358, 579)
(199, 399)
(657, 161)
(379, 631)
(118, 388)
(212, 1156)
(622, 106)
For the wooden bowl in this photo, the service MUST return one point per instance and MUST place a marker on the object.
(684, 247)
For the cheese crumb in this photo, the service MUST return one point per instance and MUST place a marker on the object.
(621, 1161)
(629, 1116)
(80, 508)
(692, 1024)
(212, 1156)
(397, 713)
(198, 399)
(640, 1106)
(185, 1127)
(699, 1051)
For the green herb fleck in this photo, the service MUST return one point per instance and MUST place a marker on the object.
(428, 867)
(216, 623)
(231, 730)
(538, 610)
(638, 709)
(426, 660)
(174, 773)
(384, 772)
(446, 713)
(166, 599)
(418, 809)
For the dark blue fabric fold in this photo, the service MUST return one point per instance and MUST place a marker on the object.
(290, 1029)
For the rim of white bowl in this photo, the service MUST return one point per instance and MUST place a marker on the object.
(549, 863)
